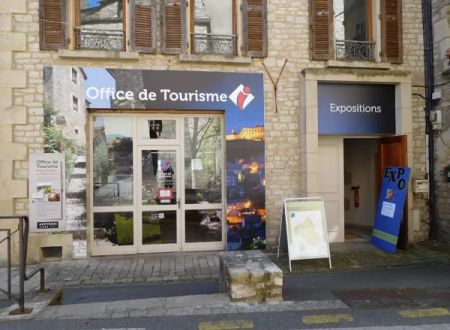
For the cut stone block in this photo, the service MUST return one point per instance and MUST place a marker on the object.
(250, 276)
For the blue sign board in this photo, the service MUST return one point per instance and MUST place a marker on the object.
(394, 190)
(356, 108)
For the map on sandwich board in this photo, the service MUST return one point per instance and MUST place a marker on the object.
(305, 229)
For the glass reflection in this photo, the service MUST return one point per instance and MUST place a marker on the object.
(158, 129)
(203, 226)
(101, 25)
(158, 177)
(213, 16)
(113, 161)
(159, 227)
(113, 228)
(203, 160)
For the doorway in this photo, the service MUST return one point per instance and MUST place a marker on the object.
(157, 183)
(364, 163)
(360, 187)
(357, 166)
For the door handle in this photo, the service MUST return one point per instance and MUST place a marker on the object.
(178, 203)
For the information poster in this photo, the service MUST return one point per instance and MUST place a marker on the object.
(394, 190)
(306, 229)
(46, 192)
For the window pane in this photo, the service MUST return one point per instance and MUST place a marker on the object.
(212, 16)
(159, 227)
(101, 25)
(113, 161)
(351, 20)
(203, 160)
(159, 177)
(159, 129)
(203, 226)
(112, 229)
(213, 28)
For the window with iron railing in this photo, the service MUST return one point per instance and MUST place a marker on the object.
(353, 30)
(100, 25)
(213, 28)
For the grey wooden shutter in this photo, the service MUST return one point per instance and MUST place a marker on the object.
(143, 25)
(321, 29)
(52, 24)
(173, 20)
(254, 16)
(391, 30)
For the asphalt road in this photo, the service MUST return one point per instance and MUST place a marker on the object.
(415, 297)
(362, 318)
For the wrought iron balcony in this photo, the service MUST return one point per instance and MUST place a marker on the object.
(214, 44)
(355, 50)
(100, 39)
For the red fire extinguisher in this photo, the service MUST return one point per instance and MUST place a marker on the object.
(355, 190)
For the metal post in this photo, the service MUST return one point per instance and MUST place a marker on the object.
(8, 232)
(21, 269)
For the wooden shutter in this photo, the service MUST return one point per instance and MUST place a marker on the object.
(143, 24)
(391, 30)
(321, 29)
(52, 27)
(173, 20)
(254, 16)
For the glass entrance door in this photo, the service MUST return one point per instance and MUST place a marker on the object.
(159, 199)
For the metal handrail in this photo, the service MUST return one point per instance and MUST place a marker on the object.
(23, 229)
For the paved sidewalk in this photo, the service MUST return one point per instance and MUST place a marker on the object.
(106, 271)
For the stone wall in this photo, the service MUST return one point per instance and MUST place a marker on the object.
(21, 96)
(441, 33)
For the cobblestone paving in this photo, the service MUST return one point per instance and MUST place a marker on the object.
(102, 271)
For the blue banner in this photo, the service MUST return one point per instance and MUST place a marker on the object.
(393, 193)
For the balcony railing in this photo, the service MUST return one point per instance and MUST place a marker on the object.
(355, 50)
(100, 39)
(214, 44)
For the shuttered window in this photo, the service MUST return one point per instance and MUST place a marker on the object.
(391, 30)
(254, 15)
(52, 18)
(321, 23)
(173, 18)
(143, 23)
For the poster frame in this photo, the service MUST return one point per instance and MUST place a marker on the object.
(33, 175)
(286, 236)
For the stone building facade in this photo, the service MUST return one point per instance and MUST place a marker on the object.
(291, 133)
(441, 34)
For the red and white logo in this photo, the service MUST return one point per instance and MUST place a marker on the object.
(242, 96)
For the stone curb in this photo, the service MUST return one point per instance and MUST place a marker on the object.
(213, 304)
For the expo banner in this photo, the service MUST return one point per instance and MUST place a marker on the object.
(46, 187)
(393, 194)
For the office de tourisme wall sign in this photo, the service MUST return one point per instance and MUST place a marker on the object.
(239, 95)
(356, 108)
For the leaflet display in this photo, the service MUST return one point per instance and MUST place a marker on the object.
(305, 229)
